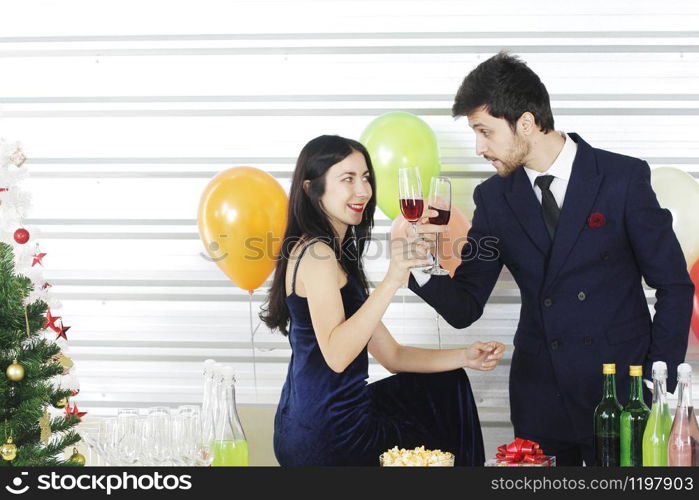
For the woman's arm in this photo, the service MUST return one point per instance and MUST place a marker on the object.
(341, 340)
(397, 358)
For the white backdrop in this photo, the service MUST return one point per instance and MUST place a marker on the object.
(127, 109)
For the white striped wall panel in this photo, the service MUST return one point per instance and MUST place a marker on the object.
(127, 109)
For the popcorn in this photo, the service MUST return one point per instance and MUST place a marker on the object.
(419, 457)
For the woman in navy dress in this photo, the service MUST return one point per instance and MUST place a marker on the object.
(327, 413)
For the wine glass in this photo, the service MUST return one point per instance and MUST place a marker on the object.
(439, 200)
(186, 431)
(186, 435)
(89, 431)
(157, 436)
(129, 438)
(109, 437)
(410, 194)
(207, 435)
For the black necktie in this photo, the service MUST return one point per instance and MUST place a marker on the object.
(548, 203)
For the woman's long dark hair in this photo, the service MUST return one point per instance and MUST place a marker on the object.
(307, 220)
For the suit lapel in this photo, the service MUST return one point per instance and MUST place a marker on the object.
(527, 210)
(580, 195)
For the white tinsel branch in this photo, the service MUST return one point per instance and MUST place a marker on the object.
(14, 202)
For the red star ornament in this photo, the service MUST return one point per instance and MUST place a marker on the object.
(51, 322)
(75, 411)
(37, 258)
(62, 331)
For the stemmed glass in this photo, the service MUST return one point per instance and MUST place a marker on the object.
(109, 437)
(410, 194)
(205, 454)
(186, 435)
(89, 431)
(128, 420)
(157, 436)
(439, 200)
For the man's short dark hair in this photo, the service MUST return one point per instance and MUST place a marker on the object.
(507, 87)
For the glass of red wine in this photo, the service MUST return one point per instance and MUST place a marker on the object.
(440, 201)
(410, 194)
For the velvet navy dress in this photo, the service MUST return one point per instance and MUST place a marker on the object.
(329, 419)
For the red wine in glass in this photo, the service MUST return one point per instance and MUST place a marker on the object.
(411, 209)
(442, 218)
(440, 201)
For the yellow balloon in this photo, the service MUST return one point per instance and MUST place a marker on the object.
(242, 218)
(679, 192)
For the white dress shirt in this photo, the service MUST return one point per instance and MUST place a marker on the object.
(561, 169)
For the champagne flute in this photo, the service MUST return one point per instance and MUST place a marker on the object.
(186, 432)
(440, 201)
(109, 436)
(158, 436)
(130, 442)
(410, 194)
(89, 431)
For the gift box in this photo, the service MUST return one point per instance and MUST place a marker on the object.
(521, 453)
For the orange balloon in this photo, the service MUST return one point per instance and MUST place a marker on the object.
(242, 218)
(450, 243)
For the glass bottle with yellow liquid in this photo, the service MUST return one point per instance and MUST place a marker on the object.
(657, 433)
(229, 446)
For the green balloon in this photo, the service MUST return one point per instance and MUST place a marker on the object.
(395, 140)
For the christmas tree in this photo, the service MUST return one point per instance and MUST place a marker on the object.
(34, 431)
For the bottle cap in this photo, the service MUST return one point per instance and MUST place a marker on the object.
(636, 370)
(208, 365)
(659, 369)
(217, 369)
(609, 369)
(684, 370)
(228, 373)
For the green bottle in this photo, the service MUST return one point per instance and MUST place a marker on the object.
(633, 421)
(607, 415)
(657, 433)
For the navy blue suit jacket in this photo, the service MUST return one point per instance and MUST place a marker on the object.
(583, 303)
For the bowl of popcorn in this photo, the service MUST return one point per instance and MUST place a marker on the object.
(419, 457)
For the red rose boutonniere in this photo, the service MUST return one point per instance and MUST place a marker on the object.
(596, 219)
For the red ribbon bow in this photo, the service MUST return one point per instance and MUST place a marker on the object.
(521, 450)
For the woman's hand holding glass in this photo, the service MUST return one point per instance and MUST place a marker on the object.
(483, 356)
(406, 253)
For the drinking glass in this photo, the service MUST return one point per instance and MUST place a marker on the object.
(89, 431)
(129, 437)
(109, 437)
(186, 436)
(410, 194)
(157, 436)
(439, 200)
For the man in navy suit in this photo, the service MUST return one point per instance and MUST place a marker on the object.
(578, 228)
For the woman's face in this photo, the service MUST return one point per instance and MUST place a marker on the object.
(347, 191)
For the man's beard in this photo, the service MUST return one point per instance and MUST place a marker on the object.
(515, 157)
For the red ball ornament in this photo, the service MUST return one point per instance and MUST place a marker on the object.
(21, 236)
